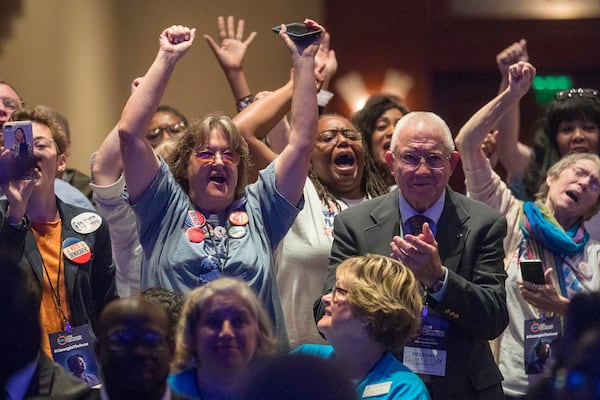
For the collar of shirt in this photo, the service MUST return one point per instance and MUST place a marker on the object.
(17, 384)
(433, 213)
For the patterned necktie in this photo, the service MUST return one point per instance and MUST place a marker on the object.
(415, 224)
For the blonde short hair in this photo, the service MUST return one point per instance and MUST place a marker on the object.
(386, 294)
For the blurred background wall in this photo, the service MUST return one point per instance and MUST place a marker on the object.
(80, 56)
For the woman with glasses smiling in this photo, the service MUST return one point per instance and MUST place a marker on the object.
(373, 309)
(200, 221)
(549, 229)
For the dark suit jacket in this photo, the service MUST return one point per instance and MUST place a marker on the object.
(469, 236)
(51, 381)
(90, 285)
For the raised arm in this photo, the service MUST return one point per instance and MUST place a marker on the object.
(291, 168)
(513, 154)
(107, 164)
(140, 164)
(258, 119)
(472, 134)
(230, 54)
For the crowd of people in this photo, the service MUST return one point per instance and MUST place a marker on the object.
(285, 252)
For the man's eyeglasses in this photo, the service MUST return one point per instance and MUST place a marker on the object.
(336, 290)
(122, 339)
(432, 161)
(172, 130)
(209, 156)
(11, 103)
(576, 92)
(330, 136)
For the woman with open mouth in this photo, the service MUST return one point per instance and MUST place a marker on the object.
(201, 221)
(550, 230)
(341, 174)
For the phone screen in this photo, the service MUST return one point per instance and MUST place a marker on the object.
(533, 271)
(18, 139)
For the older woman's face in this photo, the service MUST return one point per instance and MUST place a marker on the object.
(340, 162)
(226, 337)
(339, 320)
(577, 136)
(213, 179)
(574, 192)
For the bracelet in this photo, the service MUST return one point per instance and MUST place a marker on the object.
(244, 102)
(21, 225)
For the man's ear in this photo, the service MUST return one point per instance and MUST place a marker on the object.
(389, 159)
(454, 158)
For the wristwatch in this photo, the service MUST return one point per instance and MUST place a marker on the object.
(20, 226)
(438, 285)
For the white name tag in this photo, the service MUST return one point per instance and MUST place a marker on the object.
(377, 389)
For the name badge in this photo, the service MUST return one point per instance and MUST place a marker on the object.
(540, 343)
(377, 389)
(426, 353)
(76, 349)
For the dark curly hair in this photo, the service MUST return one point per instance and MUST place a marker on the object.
(545, 145)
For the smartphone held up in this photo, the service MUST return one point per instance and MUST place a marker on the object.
(300, 32)
(18, 139)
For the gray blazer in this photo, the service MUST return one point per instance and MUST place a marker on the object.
(469, 237)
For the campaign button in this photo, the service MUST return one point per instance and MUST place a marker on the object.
(238, 218)
(76, 250)
(86, 222)
(219, 232)
(195, 235)
(195, 218)
(237, 232)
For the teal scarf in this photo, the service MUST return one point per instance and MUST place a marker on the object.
(538, 224)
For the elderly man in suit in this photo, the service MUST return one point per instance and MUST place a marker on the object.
(453, 245)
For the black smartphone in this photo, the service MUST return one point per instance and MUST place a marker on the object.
(299, 32)
(533, 271)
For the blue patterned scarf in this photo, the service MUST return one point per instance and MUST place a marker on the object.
(538, 223)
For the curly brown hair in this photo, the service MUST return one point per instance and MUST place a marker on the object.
(44, 118)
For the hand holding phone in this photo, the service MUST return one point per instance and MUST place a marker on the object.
(533, 271)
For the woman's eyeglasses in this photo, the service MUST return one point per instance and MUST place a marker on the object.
(575, 92)
(209, 156)
(338, 291)
(330, 137)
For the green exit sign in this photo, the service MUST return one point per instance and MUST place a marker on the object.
(546, 86)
